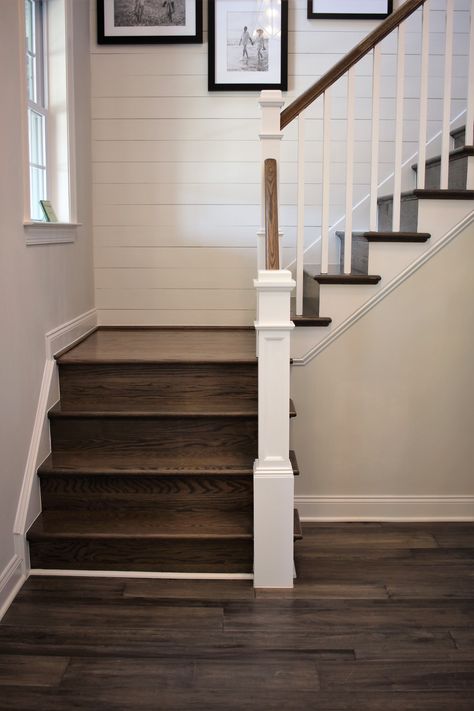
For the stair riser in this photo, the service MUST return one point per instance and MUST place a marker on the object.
(206, 435)
(127, 493)
(459, 138)
(360, 253)
(196, 556)
(409, 215)
(150, 386)
(457, 179)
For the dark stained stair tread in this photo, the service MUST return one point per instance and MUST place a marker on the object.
(431, 194)
(82, 463)
(397, 236)
(353, 278)
(142, 524)
(457, 153)
(297, 529)
(318, 321)
(232, 409)
(164, 346)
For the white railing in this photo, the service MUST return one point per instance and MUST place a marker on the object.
(405, 40)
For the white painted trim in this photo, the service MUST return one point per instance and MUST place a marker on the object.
(139, 574)
(385, 291)
(11, 580)
(409, 161)
(50, 232)
(386, 508)
(68, 333)
(55, 340)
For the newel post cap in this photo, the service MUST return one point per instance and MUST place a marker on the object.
(271, 97)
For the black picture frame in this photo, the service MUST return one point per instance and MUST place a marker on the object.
(315, 15)
(281, 68)
(105, 35)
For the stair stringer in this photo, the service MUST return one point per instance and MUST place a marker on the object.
(346, 304)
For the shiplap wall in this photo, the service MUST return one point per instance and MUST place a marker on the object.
(177, 175)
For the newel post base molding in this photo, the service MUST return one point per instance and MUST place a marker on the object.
(273, 473)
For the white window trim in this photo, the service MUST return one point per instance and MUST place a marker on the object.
(36, 232)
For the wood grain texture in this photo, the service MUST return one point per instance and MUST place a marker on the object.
(272, 237)
(374, 622)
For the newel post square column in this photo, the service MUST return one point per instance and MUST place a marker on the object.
(273, 473)
(271, 103)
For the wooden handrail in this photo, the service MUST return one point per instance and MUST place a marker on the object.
(339, 69)
(272, 248)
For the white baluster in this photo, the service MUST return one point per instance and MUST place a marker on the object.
(423, 115)
(469, 139)
(349, 170)
(326, 182)
(397, 180)
(374, 168)
(448, 71)
(300, 216)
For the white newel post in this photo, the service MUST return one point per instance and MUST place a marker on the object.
(271, 102)
(273, 473)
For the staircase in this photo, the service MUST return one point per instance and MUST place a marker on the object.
(408, 234)
(153, 447)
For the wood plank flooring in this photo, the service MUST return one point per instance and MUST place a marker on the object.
(381, 617)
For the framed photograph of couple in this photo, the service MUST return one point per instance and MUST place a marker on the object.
(349, 9)
(248, 45)
(149, 21)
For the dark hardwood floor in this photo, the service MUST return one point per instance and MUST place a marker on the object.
(381, 618)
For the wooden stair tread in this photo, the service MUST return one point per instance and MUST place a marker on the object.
(162, 525)
(353, 278)
(100, 464)
(430, 194)
(191, 409)
(143, 524)
(396, 236)
(297, 530)
(164, 345)
(461, 152)
(304, 320)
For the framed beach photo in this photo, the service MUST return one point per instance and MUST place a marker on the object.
(248, 45)
(349, 9)
(149, 21)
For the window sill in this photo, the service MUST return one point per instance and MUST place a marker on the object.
(50, 232)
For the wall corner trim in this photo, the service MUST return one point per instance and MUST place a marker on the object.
(11, 580)
(55, 340)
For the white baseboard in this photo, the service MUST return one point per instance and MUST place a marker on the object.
(385, 508)
(11, 580)
(29, 505)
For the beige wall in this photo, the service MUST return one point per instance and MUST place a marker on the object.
(41, 287)
(388, 408)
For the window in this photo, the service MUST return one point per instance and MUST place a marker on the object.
(49, 119)
(35, 12)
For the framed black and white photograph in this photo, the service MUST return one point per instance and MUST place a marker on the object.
(349, 9)
(149, 21)
(248, 45)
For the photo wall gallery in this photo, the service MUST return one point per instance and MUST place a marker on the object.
(247, 39)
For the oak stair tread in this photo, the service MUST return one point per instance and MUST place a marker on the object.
(307, 320)
(461, 152)
(431, 194)
(396, 236)
(72, 464)
(337, 277)
(164, 345)
(170, 525)
(191, 409)
(167, 525)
